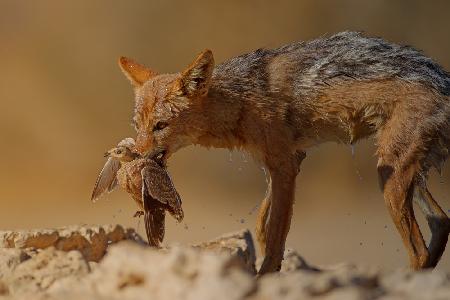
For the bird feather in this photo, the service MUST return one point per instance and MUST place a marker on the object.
(106, 180)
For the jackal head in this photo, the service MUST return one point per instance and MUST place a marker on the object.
(168, 107)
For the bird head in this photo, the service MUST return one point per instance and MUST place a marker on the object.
(122, 153)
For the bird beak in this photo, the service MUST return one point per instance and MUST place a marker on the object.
(106, 154)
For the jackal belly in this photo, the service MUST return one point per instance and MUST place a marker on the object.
(342, 131)
(355, 110)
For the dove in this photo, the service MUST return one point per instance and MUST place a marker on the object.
(147, 181)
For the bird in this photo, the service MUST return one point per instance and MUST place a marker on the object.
(146, 179)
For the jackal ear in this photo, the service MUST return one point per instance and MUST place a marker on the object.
(196, 78)
(138, 74)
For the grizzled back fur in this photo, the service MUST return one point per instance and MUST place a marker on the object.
(326, 60)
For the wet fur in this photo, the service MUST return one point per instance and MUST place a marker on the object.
(276, 103)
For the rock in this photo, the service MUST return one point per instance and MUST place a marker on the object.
(292, 261)
(130, 271)
(91, 241)
(420, 284)
(349, 282)
(39, 272)
(10, 259)
(345, 282)
(219, 269)
(238, 244)
(3, 289)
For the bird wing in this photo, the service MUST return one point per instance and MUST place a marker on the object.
(160, 187)
(107, 179)
(154, 218)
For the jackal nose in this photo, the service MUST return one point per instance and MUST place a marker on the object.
(143, 143)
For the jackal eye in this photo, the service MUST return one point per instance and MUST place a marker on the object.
(160, 125)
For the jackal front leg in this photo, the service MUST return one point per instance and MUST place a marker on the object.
(262, 217)
(276, 211)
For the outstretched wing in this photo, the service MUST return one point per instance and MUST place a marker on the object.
(161, 188)
(154, 218)
(107, 179)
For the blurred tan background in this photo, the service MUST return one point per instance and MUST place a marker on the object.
(64, 101)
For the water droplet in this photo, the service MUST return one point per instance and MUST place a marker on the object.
(358, 174)
(244, 158)
(385, 226)
(230, 215)
(382, 243)
(240, 169)
(203, 227)
(365, 222)
(186, 227)
(360, 243)
(230, 157)
(242, 221)
(253, 210)
(352, 147)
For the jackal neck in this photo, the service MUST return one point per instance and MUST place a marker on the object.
(222, 113)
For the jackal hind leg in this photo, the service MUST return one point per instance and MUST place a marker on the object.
(397, 182)
(400, 151)
(437, 220)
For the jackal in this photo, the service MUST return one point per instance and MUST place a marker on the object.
(277, 103)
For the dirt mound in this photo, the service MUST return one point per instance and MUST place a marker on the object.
(110, 262)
